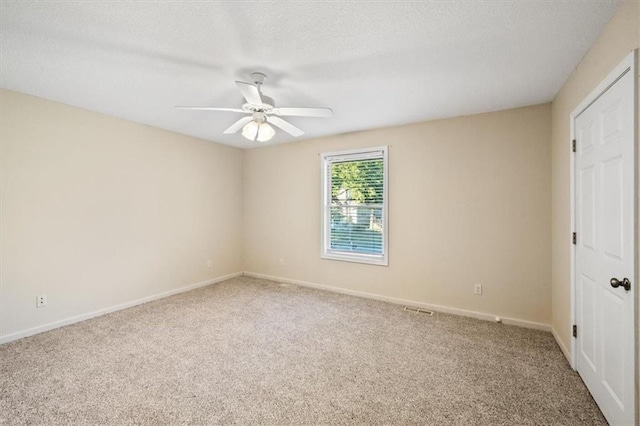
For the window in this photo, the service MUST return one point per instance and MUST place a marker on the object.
(354, 202)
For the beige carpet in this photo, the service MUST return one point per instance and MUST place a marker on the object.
(250, 351)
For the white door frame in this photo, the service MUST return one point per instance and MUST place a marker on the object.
(629, 64)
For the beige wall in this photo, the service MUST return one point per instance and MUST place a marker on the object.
(617, 40)
(469, 203)
(99, 211)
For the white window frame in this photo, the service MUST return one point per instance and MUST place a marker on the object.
(325, 203)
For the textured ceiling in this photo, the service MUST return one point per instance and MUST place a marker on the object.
(375, 63)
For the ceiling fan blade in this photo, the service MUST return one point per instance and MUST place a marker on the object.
(238, 125)
(304, 112)
(250, 92)
(210, 108)
(285, 125)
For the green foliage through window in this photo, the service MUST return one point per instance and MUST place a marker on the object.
(361, 180)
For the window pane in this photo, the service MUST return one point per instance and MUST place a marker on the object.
(356, 228)
(357, 182)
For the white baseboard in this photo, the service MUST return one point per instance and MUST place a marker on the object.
(67, 321)
(563, 348)
(436, 308)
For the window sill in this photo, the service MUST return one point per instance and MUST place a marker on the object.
(344, 257)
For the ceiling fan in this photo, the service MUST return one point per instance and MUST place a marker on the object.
(263, 112)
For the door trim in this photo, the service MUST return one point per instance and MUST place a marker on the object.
(628, 64)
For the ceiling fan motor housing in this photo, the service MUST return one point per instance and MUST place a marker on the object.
(260, 117)
(267, 105)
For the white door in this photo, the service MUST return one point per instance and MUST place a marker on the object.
(605, 252)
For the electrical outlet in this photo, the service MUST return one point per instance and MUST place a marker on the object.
(41, 301)
(281, 262)
(210, 264)
(477, 289)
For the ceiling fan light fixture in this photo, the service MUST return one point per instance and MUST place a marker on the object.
(265, 132)
(259, 131)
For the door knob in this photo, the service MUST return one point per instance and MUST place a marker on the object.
(615, 283)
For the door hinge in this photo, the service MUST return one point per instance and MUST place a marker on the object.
(573, 145)
(574, 239)
(575, 331)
